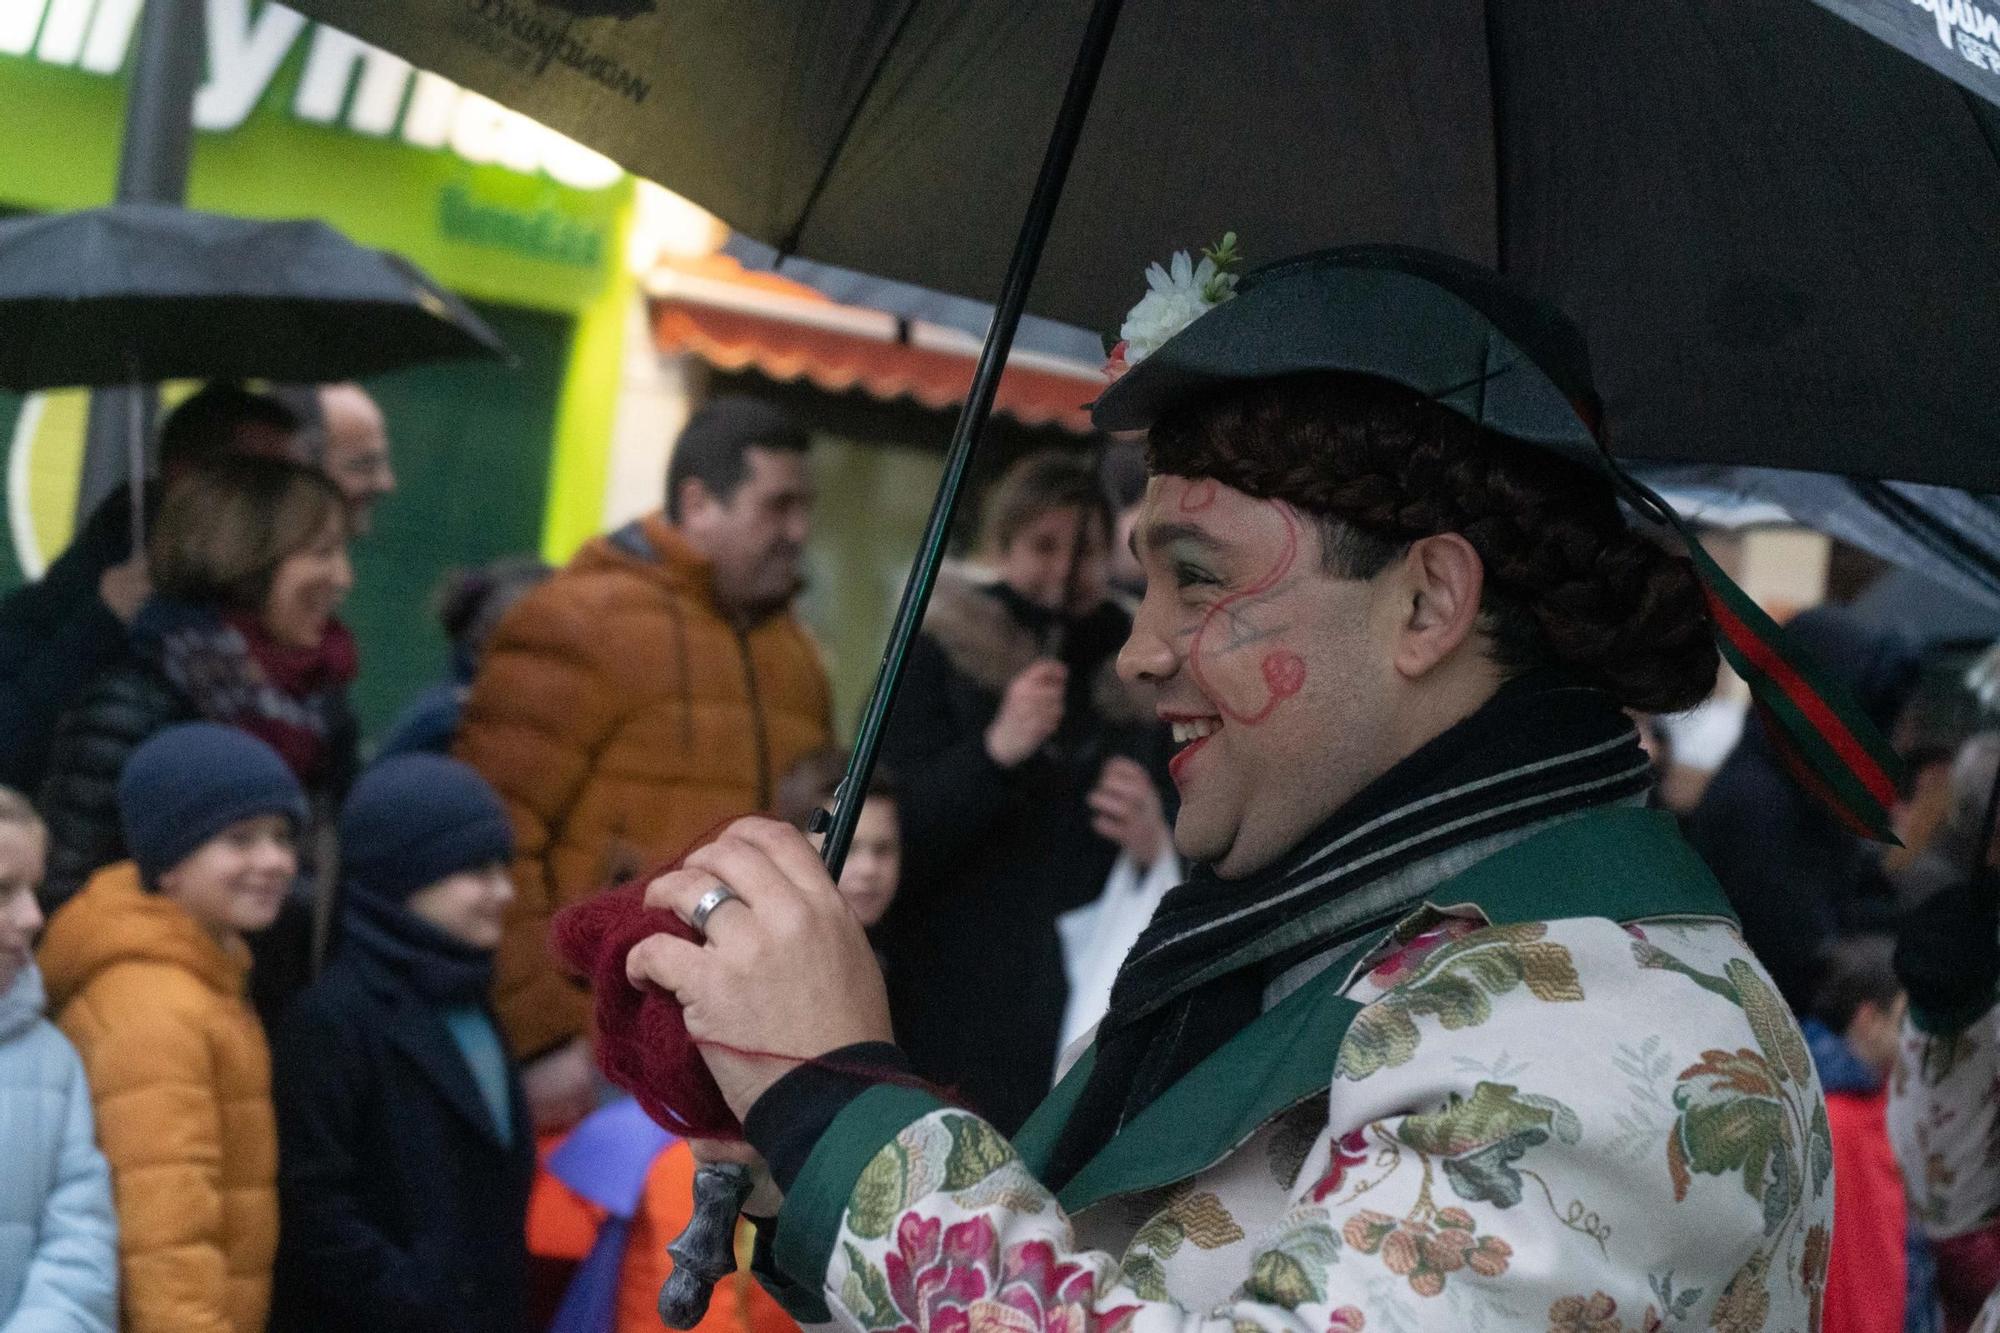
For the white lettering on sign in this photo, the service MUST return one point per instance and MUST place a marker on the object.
(243, 56)
(63, 32)
(20, 20)
(345, 82)
(1965, 18)
(329, 72)
(111, 35)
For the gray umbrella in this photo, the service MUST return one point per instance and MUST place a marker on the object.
(135, 293)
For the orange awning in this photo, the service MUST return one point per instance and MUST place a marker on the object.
(753, 321)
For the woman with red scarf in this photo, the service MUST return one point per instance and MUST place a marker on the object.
(249, 562)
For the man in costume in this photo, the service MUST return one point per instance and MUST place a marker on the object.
(1445, 1031)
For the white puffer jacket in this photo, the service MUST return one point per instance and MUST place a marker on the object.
(58, 1236)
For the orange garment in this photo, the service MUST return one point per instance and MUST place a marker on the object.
(621, 716)
(181, 1081)
(562, 1225)
(741, 1305)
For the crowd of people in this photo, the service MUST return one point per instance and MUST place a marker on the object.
(291, 1049)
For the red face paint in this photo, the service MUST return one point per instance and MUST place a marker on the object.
(1199, 495)
(1284, 671)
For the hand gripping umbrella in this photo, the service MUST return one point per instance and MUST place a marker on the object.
(136, 293)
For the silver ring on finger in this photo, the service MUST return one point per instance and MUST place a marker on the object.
(706, 905)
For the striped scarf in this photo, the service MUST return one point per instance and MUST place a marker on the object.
(1540, 748)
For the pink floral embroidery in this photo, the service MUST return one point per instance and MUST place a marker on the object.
(935, 1274)
(1347, 1319)
(938, 1278)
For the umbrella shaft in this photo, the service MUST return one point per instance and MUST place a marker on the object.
(971, 418)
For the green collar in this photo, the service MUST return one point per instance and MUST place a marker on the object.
(1620, 862)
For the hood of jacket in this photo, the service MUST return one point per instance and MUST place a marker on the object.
(115, 921)
(21, 1004)
(988, 645)
(649, 548)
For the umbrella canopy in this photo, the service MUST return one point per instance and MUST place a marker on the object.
(1755, 209)
(1950, 537)
(144, 292)
(1960, 39)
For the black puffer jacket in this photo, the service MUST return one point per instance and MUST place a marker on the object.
(127, 702)
(992, 856)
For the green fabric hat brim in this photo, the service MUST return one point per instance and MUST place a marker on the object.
(1331, 316)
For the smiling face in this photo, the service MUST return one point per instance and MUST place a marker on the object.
(236, 881)
(308, 587)
(1274, 674)
(357, 450)
(756, 538)
(470, 906)
(1290, 688)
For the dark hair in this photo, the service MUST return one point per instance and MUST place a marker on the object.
(1379, 466)
(225, 527)
(713, 445)
(1041, 483)
(1854, 971)
(204, 425)
(811, 782)
(470, 600)
(1123, 470)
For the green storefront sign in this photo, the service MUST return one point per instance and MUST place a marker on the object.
(298, 120)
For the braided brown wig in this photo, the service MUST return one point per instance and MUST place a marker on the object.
(1378, 466)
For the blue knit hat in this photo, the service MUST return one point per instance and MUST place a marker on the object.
(188, 783)
(415, 819)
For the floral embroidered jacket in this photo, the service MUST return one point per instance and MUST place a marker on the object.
(1559, 1096)
(1944, 1123)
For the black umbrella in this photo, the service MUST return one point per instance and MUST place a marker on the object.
(1960, 39)
(135, 293)
(1757, 211)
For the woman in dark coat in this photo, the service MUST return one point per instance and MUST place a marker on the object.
(1024, 768)
(404, 1148)
(249, 562)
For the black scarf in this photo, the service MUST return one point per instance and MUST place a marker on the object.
(1541, 747)
(444, 970)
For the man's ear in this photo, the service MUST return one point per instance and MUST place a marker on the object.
(1442, 578)
(694, 500)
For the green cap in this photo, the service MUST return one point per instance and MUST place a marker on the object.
(1452, 331)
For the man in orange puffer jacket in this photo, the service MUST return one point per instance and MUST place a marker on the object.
(651, 689)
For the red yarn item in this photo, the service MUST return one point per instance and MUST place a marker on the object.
(642, 1044)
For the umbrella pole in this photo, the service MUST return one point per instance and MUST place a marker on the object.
(135, 459)
(684, 1298)
(971, 418)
